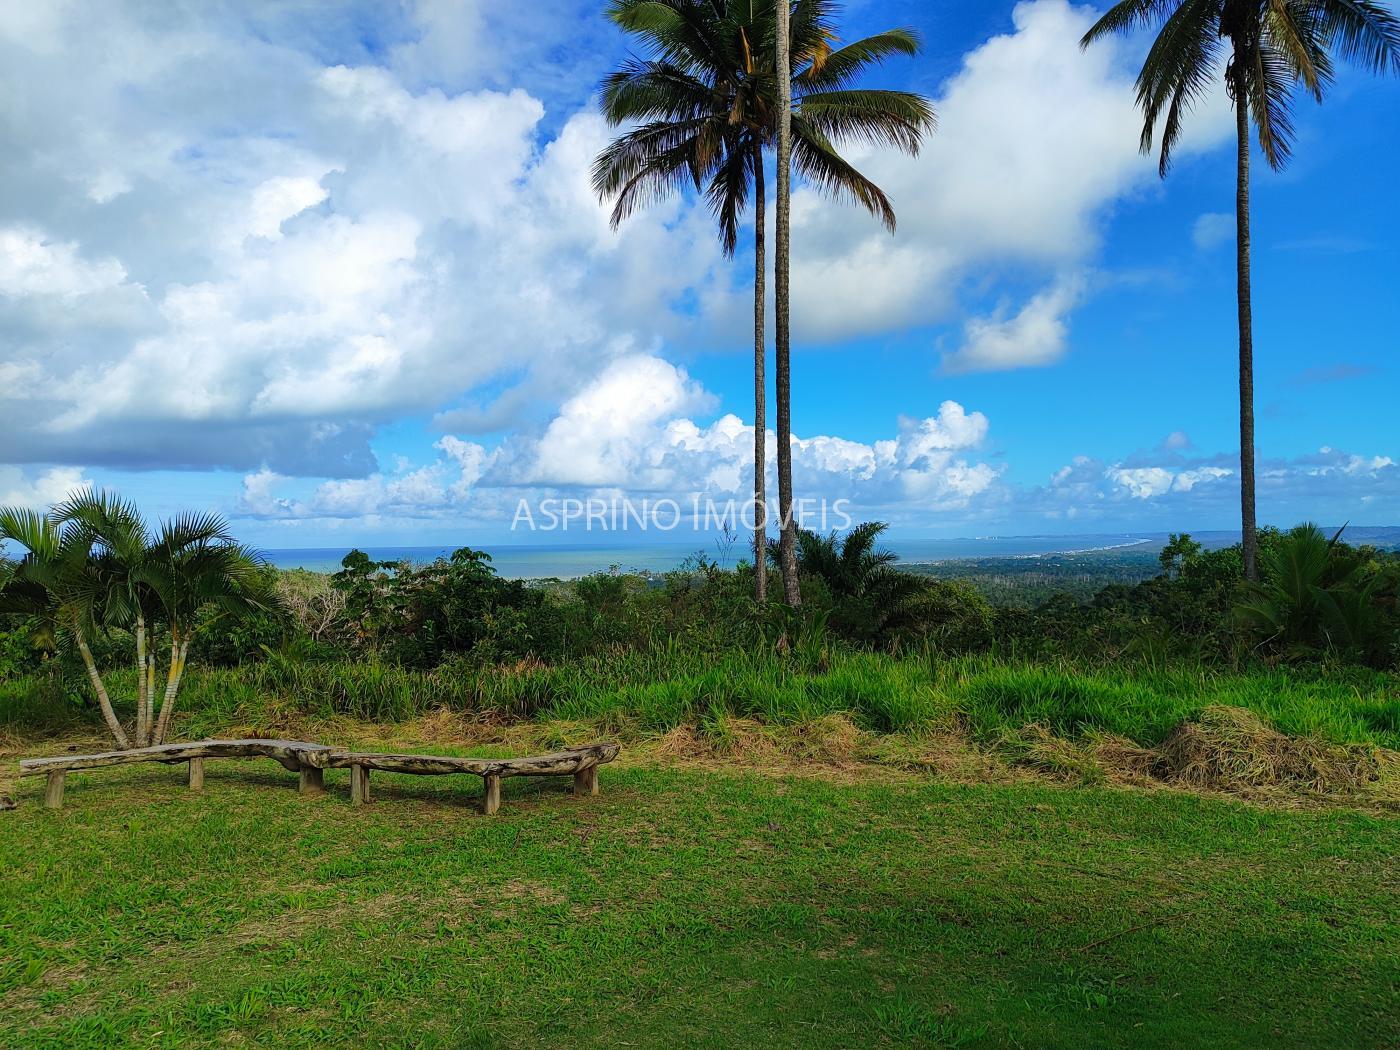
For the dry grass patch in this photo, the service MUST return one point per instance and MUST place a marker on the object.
(832, 743)
(1224, 749)
(1229, 748)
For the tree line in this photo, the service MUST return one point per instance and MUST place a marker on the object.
(112, 611)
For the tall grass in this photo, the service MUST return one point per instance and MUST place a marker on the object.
(659, 689)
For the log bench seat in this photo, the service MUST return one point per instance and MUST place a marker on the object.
(299, 756)
(579, 762)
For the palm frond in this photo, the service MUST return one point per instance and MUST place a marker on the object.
(728, 192)
(1126, 17)
(1292, 29)
(878, 117)
(1269, 94)
(193, 528)
(816, 160)
(1364, 32)
(659, 143)
(653, 91)
(31, 530)
(658, 177)
(842, 67)
(1180, 70)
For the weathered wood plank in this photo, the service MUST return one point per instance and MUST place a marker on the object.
(561, 763)
(359, 785)
(53, 790)
(491, 798)
(292, 754)
(312, 781)
(196, 774)
(586, 782)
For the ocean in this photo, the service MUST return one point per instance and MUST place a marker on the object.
(567, 561)
(526, 561)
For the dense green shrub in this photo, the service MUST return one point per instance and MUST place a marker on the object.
(419, 615)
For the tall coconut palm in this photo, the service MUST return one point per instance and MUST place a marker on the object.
(1263, 49)
(704, 105)
(782, 307)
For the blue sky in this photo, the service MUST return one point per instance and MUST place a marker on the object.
(334, 270)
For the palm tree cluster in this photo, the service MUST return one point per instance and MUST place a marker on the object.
(91, 564)
(703, 105)
(705, 101)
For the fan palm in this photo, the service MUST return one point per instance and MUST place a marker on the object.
(1263, 49)
(704, 105)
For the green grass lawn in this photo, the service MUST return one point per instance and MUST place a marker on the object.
(687, 908)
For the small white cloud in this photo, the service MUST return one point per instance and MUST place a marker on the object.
(1037, 335)
(471, 459)
(1176, 441)
(259, 499)
(608, 432)
(1212, 230)
(1189, 479)
(1142, 482)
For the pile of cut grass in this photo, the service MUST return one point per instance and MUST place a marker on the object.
(1229, 747)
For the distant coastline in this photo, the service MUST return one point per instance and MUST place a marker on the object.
(566, 561)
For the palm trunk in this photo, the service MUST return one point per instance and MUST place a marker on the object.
(142, 674)
(150, 693)
(179, 651)
(787, 537)
(103, 700)
(1247, 509)
(760, 382)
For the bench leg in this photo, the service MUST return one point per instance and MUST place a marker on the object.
(359, 785)
(313, 781)
(196, 774)
(53, 790)
(586, 782)
(491, 800)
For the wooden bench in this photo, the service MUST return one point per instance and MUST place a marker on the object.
(579, 762)
(307, 759)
